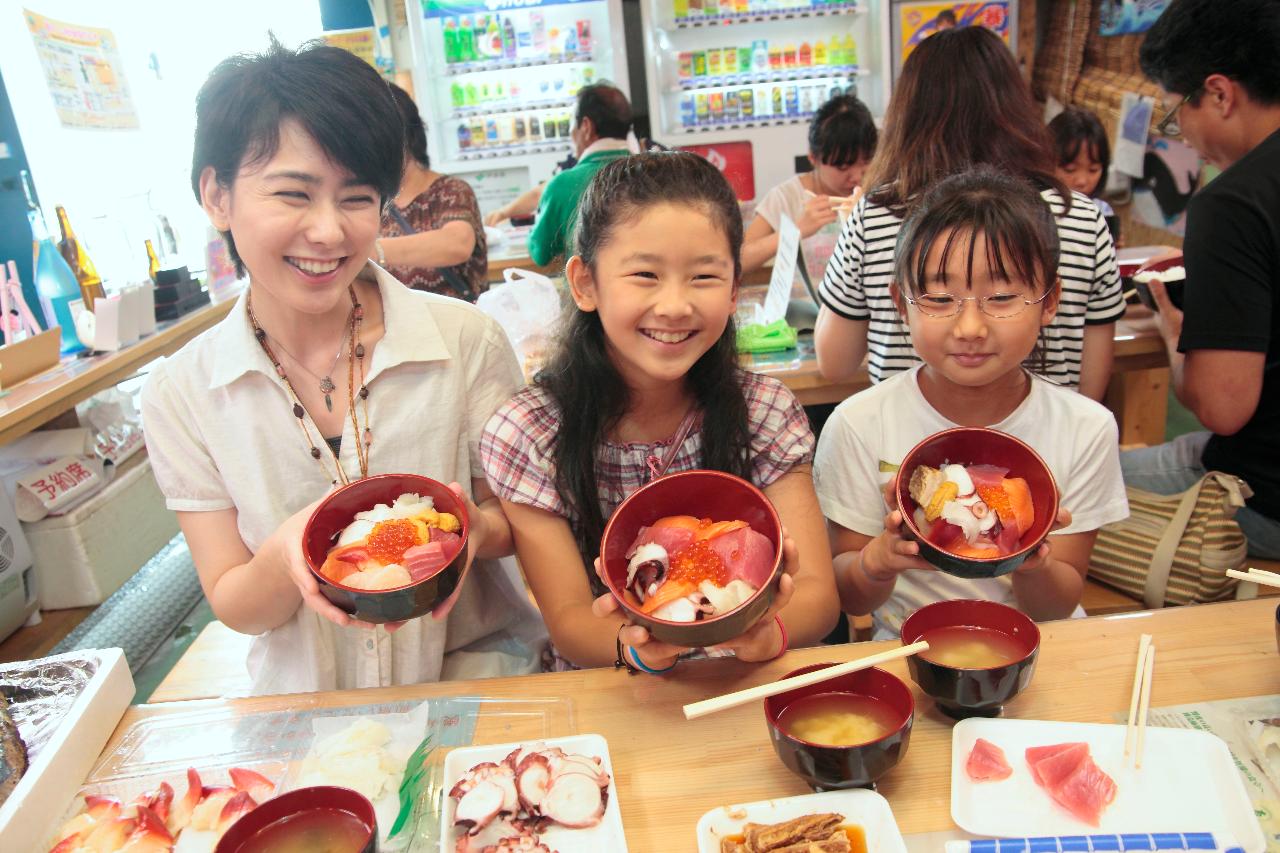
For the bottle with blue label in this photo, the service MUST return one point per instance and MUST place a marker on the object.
(55, 282)
(688, 110)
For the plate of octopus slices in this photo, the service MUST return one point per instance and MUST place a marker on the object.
(545, 796)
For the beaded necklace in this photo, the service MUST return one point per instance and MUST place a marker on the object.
(355, 354)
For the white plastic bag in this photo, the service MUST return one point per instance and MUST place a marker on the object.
(527, 306)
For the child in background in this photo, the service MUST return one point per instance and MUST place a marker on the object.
(975, 282)
(940, 122)
(1084, 155)
(842, 140)
(648, 358)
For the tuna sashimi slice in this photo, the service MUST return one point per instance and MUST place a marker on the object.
(986, 475)
(672, 539)
(1051, 764)
(1085, 792)
(987, 763)
(747, 555)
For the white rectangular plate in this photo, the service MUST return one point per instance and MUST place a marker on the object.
(862, 808)
(606, 835)
(1188, 783)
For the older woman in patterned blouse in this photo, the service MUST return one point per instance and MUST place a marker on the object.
(432, 237)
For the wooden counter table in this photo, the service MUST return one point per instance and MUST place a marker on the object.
(36, 401)
(670, 770)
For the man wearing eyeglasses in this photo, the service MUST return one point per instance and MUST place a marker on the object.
(1218, 67)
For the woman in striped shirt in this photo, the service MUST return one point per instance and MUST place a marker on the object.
(940, 122)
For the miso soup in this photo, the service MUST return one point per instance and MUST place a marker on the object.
(316, 831)
(838, 719)
(967, 647)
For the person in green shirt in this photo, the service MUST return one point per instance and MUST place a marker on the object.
(601, 124)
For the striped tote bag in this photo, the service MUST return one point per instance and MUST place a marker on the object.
(1175, 549)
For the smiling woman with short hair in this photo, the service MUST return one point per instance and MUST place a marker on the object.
(327, 370)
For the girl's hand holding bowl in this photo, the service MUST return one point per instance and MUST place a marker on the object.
(1040, 557)
(891, 553)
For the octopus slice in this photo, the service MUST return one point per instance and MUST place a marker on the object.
(574, 800)
(479, 805)
(532, 781)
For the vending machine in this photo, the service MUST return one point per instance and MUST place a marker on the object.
(728, 71)
(497, 82)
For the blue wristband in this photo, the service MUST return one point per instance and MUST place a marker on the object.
(635, 658)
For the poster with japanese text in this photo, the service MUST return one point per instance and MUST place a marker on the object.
(918, 21)
(85, 76)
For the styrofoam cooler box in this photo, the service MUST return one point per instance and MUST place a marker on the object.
(84, 556)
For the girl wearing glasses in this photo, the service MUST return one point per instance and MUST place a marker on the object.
(940, 122)
(975, 282)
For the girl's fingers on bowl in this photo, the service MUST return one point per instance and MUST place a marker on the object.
(605, 605)
(790, 555)
(635, 635)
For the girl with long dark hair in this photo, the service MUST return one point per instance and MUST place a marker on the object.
(961, 102)
(648, 358)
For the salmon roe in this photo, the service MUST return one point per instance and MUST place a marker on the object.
(698, 563)
(390, 539)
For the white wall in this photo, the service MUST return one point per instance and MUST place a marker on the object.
(111, 180)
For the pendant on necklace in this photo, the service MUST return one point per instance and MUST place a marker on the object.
(327, 387)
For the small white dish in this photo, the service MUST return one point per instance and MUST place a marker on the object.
(859, 807)
(607, 835)
(1188, 782)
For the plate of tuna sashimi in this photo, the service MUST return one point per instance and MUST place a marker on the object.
(1021, 778)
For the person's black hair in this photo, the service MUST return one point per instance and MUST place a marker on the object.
(1020, 233)
(1193, 39)
(338, 99)
(583, 380)
(415, 132)
(842, 132)
(946, 16)
(608, 109)
(1077, 126)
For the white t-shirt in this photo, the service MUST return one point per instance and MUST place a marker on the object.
(868, 435)
(856, 286)
(221, 435)
(790, 197)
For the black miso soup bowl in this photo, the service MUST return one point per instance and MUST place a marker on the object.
(962, 693)
(826, 768)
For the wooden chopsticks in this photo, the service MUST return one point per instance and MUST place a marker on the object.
(1258, 576)
(732, 700)
(1140, 699)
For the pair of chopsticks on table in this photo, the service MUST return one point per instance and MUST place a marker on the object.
(732, 700)
(1140, 700)
(1258, 576)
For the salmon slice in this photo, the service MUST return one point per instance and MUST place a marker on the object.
(668, 592)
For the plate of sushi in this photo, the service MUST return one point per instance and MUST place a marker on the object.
(856, 820)
(1037, 777)
(535, 796)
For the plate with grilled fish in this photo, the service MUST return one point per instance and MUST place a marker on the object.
(854, 821)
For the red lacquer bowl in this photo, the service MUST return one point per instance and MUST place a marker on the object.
(295, 806)
(974, 446)
(827, 768)
(964, 693)
(702, 494)
(340, 508)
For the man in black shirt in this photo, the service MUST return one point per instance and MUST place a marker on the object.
(1218, 68)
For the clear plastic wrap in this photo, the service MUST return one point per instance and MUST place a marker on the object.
(41, 692)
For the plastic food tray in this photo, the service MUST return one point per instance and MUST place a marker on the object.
(273, 743)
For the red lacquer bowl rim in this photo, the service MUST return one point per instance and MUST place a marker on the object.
(904, 480)
(974, 604)
(461, 512)
(665, 480)
(772, 717)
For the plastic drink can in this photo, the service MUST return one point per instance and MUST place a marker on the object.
(746, 98)
(681, 9)
(686, 64)
(732, 106)
(688, 110)
(717, 106)
(789, 55)
(775, 58)
(491, 131)
(702, 108)
(805, 57)
(714, 55)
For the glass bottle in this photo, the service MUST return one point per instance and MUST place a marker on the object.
(55, 282)
(78, 259)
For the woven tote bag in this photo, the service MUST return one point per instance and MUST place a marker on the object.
(1175, 549)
